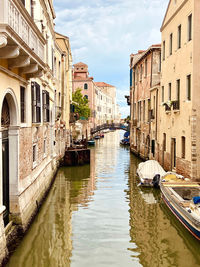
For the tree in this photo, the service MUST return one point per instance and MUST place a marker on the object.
(81, 104)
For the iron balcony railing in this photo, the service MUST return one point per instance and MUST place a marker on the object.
(176, 105)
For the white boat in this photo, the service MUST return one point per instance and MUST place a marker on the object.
(183, 199)
(150, 173)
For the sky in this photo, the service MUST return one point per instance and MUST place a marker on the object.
(103, 34)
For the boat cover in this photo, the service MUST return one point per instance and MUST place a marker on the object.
(126, 134)
(196, 200)
(149, 168)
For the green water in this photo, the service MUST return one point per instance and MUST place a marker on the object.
(96, 215)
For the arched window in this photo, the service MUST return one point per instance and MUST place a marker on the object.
(85, 86)
(86, 96)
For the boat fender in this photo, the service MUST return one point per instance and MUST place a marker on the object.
(156, 181)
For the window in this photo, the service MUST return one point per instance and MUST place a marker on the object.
(52, 60)
(163, 94)
(170, 91)
(189, 87)
(85, 86)
(34, 153)
(86, 96)
(164, 142)
(32, 8)
(59, 99)
(159, 68)
(36, 106)
(44, 146)
(131, 76)
(170, 43)
(141, 70)
(178, 90)
(179, 37)
(45, 101)
(183, 147)
(163, 50)
(153, 147)
(144, 110)
(22, 103)
(145, 67)
(190, 27)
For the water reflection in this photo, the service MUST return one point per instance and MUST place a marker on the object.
(160, 238)
(96, 215)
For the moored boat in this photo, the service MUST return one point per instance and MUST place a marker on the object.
(91, 142)
(183, 199)
(150, 173)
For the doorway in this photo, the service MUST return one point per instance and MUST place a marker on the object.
(5, 123)
(5, 172)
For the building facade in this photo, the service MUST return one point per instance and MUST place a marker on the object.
(144, 87)
(32, 130)
(180, 92)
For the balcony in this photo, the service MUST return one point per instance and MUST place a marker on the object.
(134, 122)
(167, 108)
(58, 112)
(151, 115)
(176, 105)
(128, 100)
(21, 42)
(73, 117)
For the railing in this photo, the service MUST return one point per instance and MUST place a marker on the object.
(134, 123)
(58, 112)
(73, 117)
(167, 108)
(110, 126)
(151, 114)
(10, 14)
(176, 105)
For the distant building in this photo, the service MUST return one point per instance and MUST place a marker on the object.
(144, 87)
(101, 96)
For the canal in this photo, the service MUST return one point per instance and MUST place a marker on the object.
(96, 215)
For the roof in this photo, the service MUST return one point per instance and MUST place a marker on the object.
(61, 35)
(165, 15)
(140, 55)
(102, 84)
(78, 78)
(80, 64)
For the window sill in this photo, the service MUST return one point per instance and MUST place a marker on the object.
(176, 111)
(36, 124)
(34, 165)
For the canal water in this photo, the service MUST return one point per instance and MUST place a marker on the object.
(96, 215)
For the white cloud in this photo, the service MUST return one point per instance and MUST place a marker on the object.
(103, 33)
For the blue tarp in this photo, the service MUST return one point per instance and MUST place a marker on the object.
(126, 134)
(196, 200)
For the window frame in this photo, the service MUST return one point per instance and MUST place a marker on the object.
(45, 106)
(190, 27)
(170, 43)
(22, 104)
(36, 102)
(188, 83)
(179, 37)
